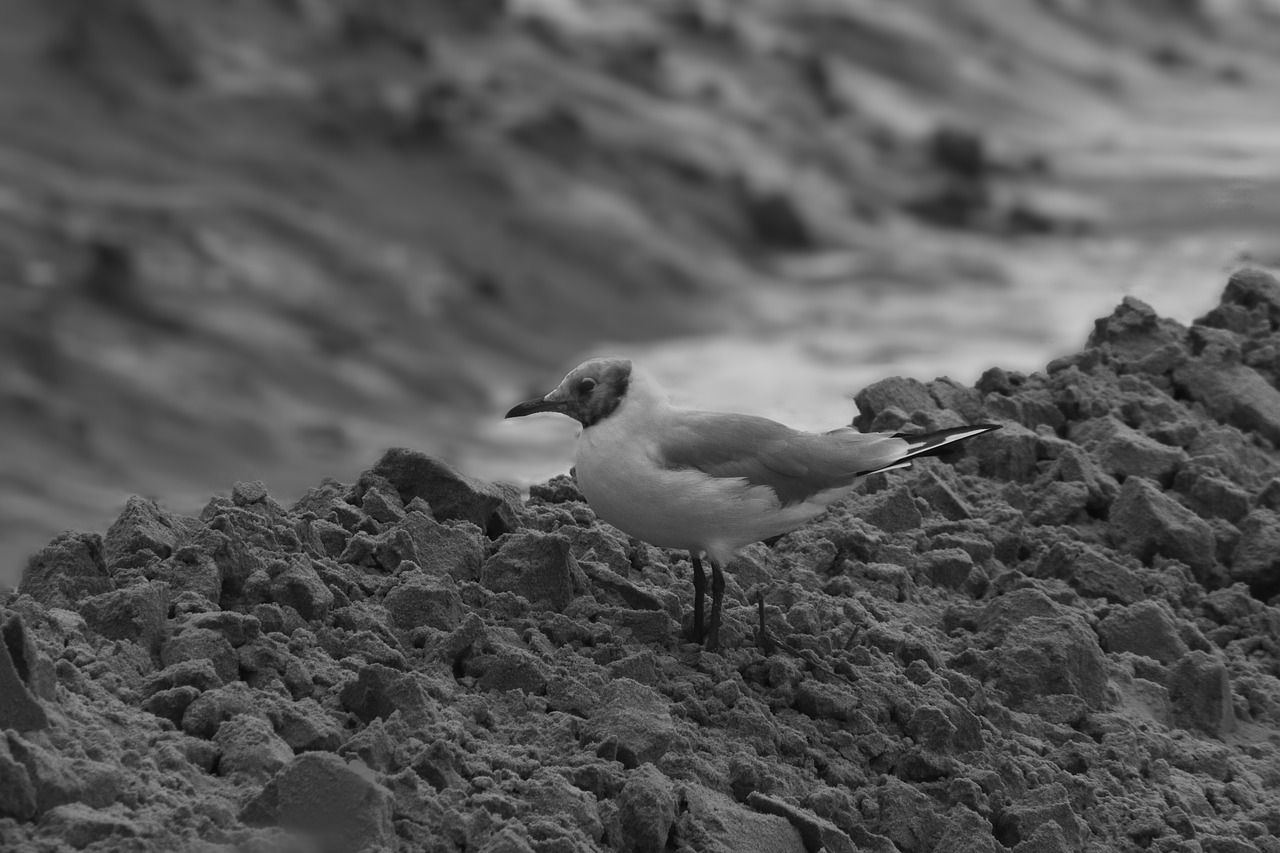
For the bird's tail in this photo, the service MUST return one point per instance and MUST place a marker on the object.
(932, 443)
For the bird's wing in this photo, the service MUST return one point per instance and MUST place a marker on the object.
(796, 465)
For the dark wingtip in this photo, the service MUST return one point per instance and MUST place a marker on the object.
(974, 429)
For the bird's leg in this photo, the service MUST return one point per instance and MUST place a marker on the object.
(699, 591)
(717, 596)
(763, 640)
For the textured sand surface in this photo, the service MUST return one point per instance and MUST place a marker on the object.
(1064, 638)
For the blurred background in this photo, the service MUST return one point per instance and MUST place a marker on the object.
(267, 239)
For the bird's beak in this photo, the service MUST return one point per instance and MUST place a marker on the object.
(542, 404)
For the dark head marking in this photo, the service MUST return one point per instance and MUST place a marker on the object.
(589, 394)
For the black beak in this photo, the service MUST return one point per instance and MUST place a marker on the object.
(535, 406)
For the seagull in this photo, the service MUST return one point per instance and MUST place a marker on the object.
(709, 482)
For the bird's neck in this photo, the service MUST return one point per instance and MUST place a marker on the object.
(645, 402)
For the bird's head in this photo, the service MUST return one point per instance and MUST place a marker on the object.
(590, 393)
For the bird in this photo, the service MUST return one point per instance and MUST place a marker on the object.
(710, 483)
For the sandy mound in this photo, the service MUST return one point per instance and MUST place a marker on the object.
(1064, 639)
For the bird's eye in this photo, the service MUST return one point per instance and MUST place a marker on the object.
(587, 385)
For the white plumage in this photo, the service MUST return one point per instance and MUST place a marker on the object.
(707, 482)
(623, 471)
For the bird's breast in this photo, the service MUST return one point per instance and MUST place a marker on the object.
(623, 483)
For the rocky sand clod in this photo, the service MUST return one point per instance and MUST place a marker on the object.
(1066, 638)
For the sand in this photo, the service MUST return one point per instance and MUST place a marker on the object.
(268, 240)
(1064, 637)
